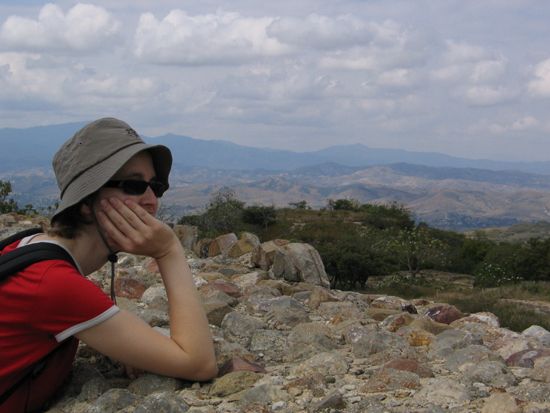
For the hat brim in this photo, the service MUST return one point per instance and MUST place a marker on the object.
(94, 178)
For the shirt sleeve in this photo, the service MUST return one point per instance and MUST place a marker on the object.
(67, 302)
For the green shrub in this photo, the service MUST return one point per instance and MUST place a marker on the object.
(493, 275)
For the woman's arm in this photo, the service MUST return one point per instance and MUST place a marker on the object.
(189, 352)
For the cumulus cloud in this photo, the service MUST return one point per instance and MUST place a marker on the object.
(465, 62)
(116, 86)
(323, 32)
(84, 27)
(180, 38)
(517, 124)
(540, 85)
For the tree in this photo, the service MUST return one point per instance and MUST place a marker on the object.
(224, 212)
(343, 204)
(416, 248)
(260, 215)
(300, 205)
(6, 205)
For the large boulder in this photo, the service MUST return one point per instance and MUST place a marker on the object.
(300, 262)
(187, 234)
(247, 243)
(263, 254)
(222, 244)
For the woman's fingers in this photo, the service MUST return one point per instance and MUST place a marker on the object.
(133, 229)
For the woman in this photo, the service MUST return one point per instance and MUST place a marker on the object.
(110, 182)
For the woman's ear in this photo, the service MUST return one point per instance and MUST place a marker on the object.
(86, 209)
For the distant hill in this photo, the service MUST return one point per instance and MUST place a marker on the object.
(475, 194)
(34, 147)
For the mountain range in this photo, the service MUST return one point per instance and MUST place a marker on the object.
(445, 191)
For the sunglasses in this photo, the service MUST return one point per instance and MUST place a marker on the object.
(137, 187)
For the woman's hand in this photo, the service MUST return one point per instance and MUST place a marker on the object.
(130, 228)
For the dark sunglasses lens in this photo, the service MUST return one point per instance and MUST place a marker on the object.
(158, 188)
(132, 187)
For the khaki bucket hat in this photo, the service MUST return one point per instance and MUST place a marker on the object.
(95, 153)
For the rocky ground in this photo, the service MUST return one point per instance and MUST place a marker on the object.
(287, 343)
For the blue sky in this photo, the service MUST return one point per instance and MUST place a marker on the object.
(466, 78)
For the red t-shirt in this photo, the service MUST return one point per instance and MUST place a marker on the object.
(40, 307)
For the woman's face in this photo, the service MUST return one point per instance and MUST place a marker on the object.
(138, 167)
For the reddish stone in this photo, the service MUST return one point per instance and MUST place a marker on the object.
(152, 266)
(526, 358)
(410, 365)
(445, 314)
(238, 364)
(129, 287)
(227, 287)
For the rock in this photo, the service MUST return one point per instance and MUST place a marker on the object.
(369, 342)
(442, 392)
(394, 322)
(541, 370)
(151, 383)
(308, 339)
(488, 319)
(470, 355)
(445, 314)
(269, 344)
(263, 395)
(429, 325)
(247, 243)
(500, 403)
(388, 379)
(390, 302)
(263, 254)
(187, 234)
(538, 332)
(319, 295)
(216, 305)
(221, 245)
(526, 358)
(233, 382)
(409, 365)
(531, 392)
(446, 342)
(129, 287)
(155, 298)
(336, 312)
(332, 401)
(489, 372)
(300, 262)
(506, 346)
(226, 287)
(238, 364)
(112, 401)
(162, 403)
(327, 363)
(240, 327)
(201, 247)
(380, 314)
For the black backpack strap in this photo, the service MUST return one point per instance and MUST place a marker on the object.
(20, 258)
(20, 235)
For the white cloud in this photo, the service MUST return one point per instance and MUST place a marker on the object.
(22, 82)
(322, 32)
(519, 124)
(484, 95)
(116, 86)
(84, 27)
(204, 39)
(540, 85)
(462, 62)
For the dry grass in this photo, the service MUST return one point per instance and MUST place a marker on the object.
(514, 304)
